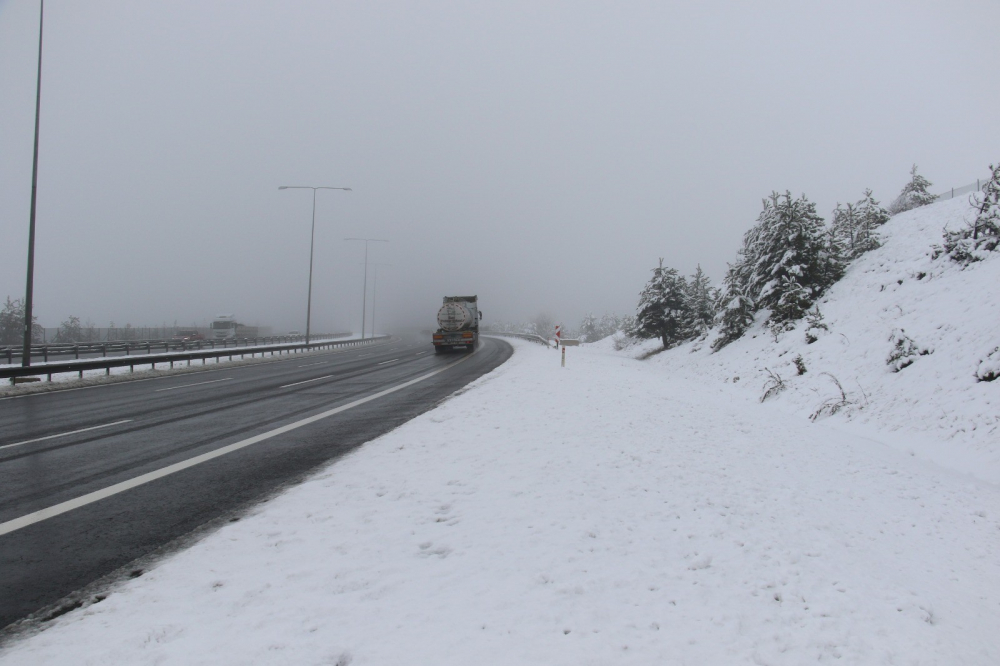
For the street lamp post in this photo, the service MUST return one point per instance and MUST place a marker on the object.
(364, 294)
(312, 236)
(29, 283)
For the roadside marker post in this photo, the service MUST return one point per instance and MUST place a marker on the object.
(564, 357)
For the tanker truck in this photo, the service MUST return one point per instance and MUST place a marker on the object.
(458, 324)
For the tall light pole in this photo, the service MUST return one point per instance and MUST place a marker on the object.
(374, 290)
(30, 282)
(364, 294)
(312, 236)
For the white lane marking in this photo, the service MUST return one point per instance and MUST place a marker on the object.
(308, 365)
(389, 361)
(210, 381)
(307, 381)
(97, 495)
(64, 434)
(419, 353)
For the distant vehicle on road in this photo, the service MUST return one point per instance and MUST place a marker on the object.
(294, 332)
(187, 335)
(225, 327)
(458, 324)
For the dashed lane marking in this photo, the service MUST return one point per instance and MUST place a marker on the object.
(211, 381)
(65, 434)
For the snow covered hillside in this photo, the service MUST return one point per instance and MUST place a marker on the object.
(946, 316)
(602, 513)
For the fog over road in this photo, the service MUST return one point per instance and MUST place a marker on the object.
(135, 465)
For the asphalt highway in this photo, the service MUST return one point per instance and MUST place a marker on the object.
(92, 479)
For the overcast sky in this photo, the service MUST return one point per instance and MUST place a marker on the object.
(540, 154)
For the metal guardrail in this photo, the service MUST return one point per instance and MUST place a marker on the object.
(77, 348)
(524, 336)
(106, 364)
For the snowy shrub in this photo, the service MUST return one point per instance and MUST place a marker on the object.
(12, 324)
(982, 235)
(773, 386)
(989, 367)
(832, 405)
(913, 195)
(904, 350)
(623, 341)
(800, 365)
(814, 324)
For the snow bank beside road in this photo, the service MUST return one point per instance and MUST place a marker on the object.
(934, 407)
(595, 514)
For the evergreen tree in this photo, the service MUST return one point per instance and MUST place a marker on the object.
(836, 246)
(700, 301)
(792, 245)
(844, 228)
(662, 308)
(609, 325)
(588, 328)
(792, 306)
(735, 307)
(870, 216)
(982, 235)
(914, 194)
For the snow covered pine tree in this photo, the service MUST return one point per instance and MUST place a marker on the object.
(787, 261)
(855, 226)
(795, 264)
(662, 307)
(700, 305)
(982, 235)
(736, 307)
(914, 194)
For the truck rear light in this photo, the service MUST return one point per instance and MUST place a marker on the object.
(437, 337)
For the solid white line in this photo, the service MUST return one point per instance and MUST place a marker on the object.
(384, 362)
(307, 381)
(64, 434)
(211, 381)
(97, 495)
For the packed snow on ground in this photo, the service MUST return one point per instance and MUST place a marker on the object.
(936, 407)
(608, 512)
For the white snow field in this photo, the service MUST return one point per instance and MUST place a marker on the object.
(603, 513)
